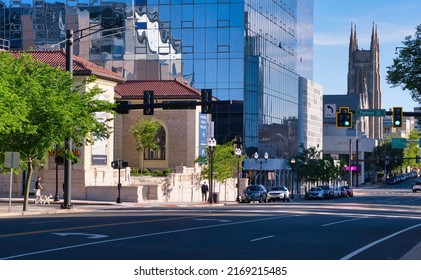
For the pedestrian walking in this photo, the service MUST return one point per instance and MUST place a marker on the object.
(205, 189)
(38, 189)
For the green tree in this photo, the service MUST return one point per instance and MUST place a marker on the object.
(406, 68)
(144, 132)
(225, 162)
(49, 108)
(385, 158)
(412, 150)
(312, 167)
(13, 112)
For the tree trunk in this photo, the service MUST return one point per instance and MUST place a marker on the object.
(27, 185)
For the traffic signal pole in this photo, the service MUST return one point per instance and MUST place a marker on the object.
(67, 204)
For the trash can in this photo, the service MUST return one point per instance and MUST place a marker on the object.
(215, 197)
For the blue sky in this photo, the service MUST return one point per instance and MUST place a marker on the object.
(332, 26)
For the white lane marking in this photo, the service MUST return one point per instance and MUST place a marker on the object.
(346, 221)
(87, 235)
(45, 222)
(218, 220)
(138, 236)
(261, 238)
(356, 252)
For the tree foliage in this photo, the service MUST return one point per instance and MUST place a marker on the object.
(311, 166)
(406, 68)
(40, 107)
(144, 132)
(225, 162)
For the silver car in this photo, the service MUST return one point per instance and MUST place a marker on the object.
(278, 194)
(416, 186)
(316, 193)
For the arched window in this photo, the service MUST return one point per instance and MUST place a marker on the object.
(160, 153)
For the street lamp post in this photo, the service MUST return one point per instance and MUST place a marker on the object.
(211, 145)
(238, 154)
(292, 162)
(67, 184)
(256, 157)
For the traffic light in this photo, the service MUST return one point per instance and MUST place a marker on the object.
(148, 99)
(397, 116)
(344, 118)
(206, 97)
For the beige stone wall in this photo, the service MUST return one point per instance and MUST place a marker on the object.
(181, 127)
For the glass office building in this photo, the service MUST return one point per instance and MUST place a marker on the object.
(250, 51)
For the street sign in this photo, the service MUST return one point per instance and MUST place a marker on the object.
(330, 110)
(11, 159)
(398, 143)
(370, 112)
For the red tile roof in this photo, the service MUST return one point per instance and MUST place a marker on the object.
(165, 89)
(81, 67)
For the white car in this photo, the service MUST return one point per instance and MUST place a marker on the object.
(337, 192)
(278, 194)
(416, 186)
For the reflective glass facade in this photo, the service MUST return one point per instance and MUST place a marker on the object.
(252, 51)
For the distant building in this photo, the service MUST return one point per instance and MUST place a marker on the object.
(310, 114)
(94, 166)
(364, 79)
(182, 137)
(341, 143)
(248, 51)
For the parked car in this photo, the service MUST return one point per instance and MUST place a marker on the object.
(278, 194)
(416, 185)
(328, 191)
(336, 192)
(344, 192)
(315, 193)
(349, 191)
(254, 193)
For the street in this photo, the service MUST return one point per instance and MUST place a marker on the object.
(376, 224)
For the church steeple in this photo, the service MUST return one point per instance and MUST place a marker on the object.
(374, 39)
(353, 41)
(364, 78)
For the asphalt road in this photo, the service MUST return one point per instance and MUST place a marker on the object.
(376, 224)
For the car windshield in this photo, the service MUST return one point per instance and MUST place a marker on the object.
(325, 187)
(315, 189)
(277, 189)
(253, 188)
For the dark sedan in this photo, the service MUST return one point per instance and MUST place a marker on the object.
(349, 191)
(254, 193)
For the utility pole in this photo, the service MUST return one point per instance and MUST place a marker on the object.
(350, 163)
(67, 204)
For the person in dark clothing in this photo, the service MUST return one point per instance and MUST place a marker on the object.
(38, 189)
(205, 190)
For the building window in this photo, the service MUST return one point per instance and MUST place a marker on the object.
(187, 49)
(160, 153)
(223, 48)
(187, 24)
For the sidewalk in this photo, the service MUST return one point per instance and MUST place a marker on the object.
(16, 207)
